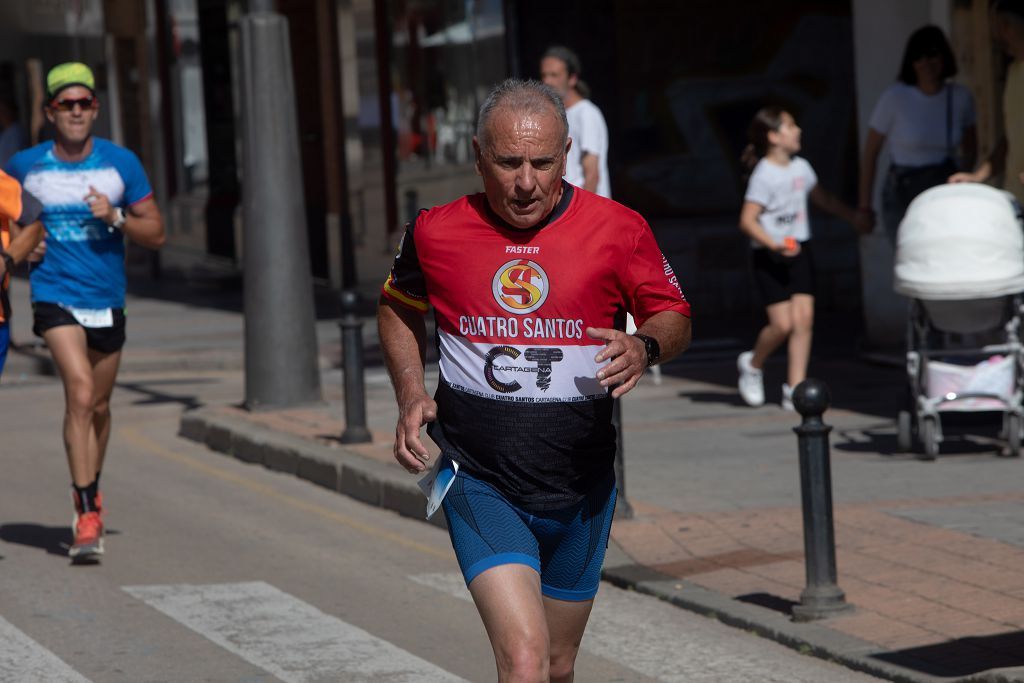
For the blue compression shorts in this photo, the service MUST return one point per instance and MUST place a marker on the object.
(566, 547)
(5, 339)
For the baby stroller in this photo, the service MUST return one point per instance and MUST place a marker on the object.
(960, 259)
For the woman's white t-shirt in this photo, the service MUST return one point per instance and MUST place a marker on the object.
(782, 191)
(914, 123)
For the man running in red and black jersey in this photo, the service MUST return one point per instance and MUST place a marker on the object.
(530, 282)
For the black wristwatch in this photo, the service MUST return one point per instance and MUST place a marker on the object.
(652, 347)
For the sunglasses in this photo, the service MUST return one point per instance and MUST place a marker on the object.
(69, 105)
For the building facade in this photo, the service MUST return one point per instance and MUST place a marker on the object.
(387, 93)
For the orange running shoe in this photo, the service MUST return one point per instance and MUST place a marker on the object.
(88, 545)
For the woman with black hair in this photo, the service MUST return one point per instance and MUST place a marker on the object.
(925, 119)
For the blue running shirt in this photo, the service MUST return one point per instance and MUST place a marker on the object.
(84, 262)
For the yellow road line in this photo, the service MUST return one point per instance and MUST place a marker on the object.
(138, 439)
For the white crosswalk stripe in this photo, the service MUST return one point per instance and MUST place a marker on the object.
(285, 636)
(23, 659)
(663, 642)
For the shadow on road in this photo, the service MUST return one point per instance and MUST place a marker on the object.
(53, 539)
(152, 396)
(963, 656)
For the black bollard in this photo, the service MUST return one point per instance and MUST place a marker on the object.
(352, 366)
(623, 510)
(822, 597)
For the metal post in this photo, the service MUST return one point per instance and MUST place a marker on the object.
(352, 366)
(281, 360)
(623, 509)
(822, 597)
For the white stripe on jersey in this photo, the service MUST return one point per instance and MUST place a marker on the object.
(23, 659)
(67, 188)
(287, 637)
(521, 372)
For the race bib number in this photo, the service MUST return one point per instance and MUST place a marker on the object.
(92, 317)
(437, 482)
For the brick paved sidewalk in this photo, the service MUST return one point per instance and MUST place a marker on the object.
(938, 601)
(931, 603)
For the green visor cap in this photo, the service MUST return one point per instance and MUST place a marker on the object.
(69, 74)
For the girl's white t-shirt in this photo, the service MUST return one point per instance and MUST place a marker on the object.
(782, 191)
(914, 123)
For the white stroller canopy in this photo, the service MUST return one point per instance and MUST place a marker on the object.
(958, 242)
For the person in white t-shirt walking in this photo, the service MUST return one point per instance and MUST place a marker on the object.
(587, 162)
(774, 217)
(928, 122)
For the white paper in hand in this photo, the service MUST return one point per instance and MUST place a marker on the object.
(437, 482)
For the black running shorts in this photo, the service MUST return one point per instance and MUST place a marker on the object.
(102, 339)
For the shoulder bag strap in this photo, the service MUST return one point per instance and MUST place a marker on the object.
(949, 120)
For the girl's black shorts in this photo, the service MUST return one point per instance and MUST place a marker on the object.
(779, 277)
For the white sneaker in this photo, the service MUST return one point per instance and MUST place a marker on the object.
(787, 398)
(751, 380)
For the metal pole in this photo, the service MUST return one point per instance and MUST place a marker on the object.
(281, 360)
(352, 364)
(623, 508)
(822, 597)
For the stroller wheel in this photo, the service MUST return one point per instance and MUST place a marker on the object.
(1013, 435)
(929, 439)
(904, 431)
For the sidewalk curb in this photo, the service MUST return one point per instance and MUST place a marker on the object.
(384, 486)
(337, 469)
(36, 360)
(806, 638)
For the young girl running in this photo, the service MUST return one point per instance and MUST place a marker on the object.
(774, 217)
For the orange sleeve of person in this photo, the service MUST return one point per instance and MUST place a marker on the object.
(10, 197)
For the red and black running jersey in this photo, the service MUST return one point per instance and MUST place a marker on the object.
(519, 402)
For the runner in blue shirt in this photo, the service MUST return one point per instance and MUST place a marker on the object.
(94, 194)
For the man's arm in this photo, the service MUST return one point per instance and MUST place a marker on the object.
(143, 223)
(628, 355)
(403, 335)
(591, 171)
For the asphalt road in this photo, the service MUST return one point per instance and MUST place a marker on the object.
(221, 571)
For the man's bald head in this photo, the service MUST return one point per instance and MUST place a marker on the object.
(522, 97)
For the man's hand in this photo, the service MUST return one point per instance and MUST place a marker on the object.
(100, 205)
(628, 357)
(409, 449)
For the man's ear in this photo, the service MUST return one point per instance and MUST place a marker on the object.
(477, 157)
(49, 114)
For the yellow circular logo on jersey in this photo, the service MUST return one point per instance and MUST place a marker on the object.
(520, 286)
